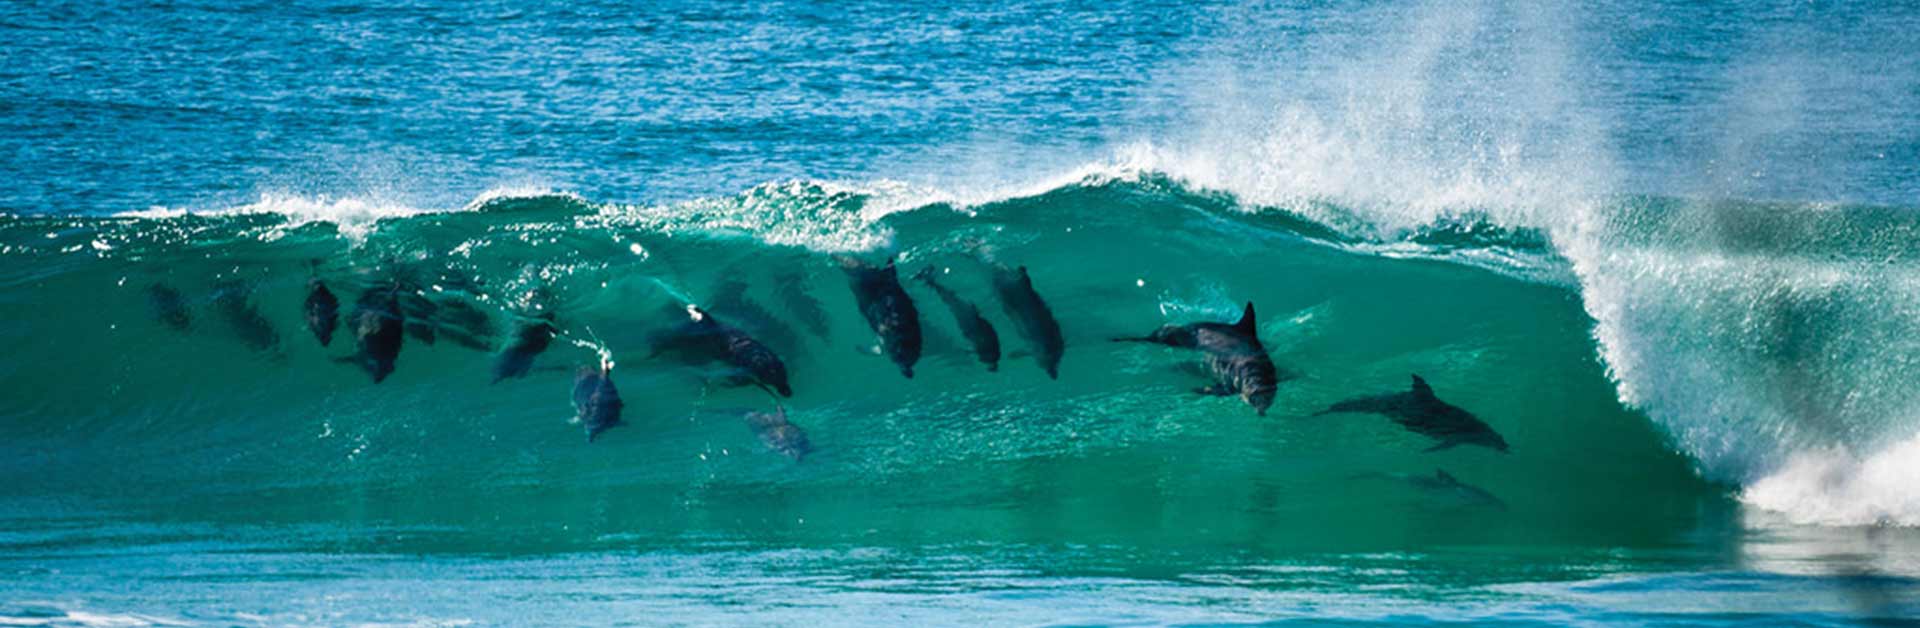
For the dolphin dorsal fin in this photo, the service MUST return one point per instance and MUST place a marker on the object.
(1024, 279)
(1421, 389)
(1246, 325)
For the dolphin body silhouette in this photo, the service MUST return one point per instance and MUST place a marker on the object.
(530, 339)
(1235, 358)
(596, 403)
(1443, 484)
(779, 434)
(321, 310)
(705, 340)
(979, 332)
(888, 310)
(1420, 411)
(1031, 316)
(377, 322)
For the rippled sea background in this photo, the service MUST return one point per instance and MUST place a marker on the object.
(1669, 251)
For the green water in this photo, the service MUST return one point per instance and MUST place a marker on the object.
(142, 436)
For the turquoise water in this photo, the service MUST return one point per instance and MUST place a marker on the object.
(1665, 252)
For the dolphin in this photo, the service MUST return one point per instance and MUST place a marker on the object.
(419, 311)
(779, 434)
(1187, 336)
(322, 311)
(791, 288)
(1420, 411)
(730, 300)
(979, 332)
(1030, 316)
(377, 336)
(1234, 357)
(596, 403)
(529, 340)
(888, 310)
(168, 307)
(466, 325)
(232, 300)
(1443, 484)
(706, 339)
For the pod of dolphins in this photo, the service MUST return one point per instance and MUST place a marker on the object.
(1231, 354)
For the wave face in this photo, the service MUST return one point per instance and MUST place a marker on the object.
(1770, 362)
(211, 412)
(1577, 222)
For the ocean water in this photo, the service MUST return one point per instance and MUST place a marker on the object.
(1668, 251)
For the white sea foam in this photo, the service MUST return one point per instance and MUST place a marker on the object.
(824, 216)
(354, 216)
(1840, 486)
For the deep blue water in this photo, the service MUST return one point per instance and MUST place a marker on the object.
(1667, 250)
(117, 106)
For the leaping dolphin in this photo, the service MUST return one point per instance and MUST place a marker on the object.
(1420, 411)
